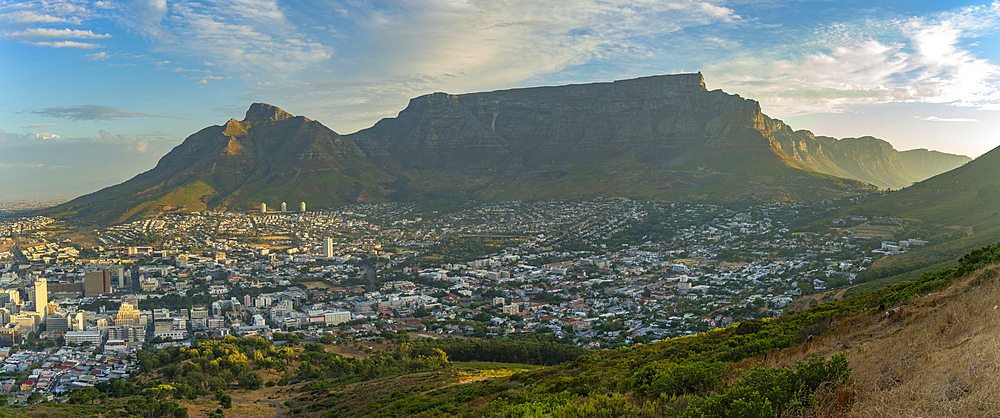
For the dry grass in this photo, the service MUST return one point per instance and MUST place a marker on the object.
(937, 356)
(316, 285)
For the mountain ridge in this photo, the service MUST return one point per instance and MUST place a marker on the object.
(661, 137)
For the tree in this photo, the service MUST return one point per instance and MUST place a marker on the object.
(226, 401)
(250, 380)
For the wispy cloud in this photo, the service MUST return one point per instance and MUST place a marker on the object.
(937, 119)
(48, 33)
(93, 112)
(132, 143)
(67, 44)
(244, 35)
(29, 17)
(40, 125)
(391, 51)
(27, 22)
(98, 56)
(480, 43)
(921, 59)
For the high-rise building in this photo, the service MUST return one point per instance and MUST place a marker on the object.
(118, 276)
(41, 294)
(327, 247)
(302, 207)
(284, 207)
(127, 315)
(80, 321)
(263, 208)
(96, 283)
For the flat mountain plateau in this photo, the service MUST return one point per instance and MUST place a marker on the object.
(655, 138)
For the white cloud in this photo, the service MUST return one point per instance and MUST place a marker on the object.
(98, 56)
(241, 35)
(393, 51)
(29, 17)
(912, 60)
(937, 119)
(481, 43)
(48, 33)
(67, 44)
(137, 143)
(40, 125)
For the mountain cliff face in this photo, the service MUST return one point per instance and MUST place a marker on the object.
(867, 159)
(269, 156)
(670, 123)
(661, 137)
(658, 122)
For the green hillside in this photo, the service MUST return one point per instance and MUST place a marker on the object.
(959, 209)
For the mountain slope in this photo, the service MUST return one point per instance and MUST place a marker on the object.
(660, 138)
(867, 159)
(510, 143)
(269, 156)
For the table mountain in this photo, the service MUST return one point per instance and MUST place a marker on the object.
(660, 137)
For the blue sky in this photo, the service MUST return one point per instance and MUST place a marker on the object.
(94, 92)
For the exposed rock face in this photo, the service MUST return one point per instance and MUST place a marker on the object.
(270, 156)
(263, 112)
(867, 159)
(661, 137)
(666, 121)
(663, 122)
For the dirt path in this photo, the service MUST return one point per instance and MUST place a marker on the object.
(276, 403)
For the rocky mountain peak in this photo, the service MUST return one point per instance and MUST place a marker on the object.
(262, 112)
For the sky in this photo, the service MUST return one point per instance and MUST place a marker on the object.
(95, 92)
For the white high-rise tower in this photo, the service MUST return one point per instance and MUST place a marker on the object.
(263, 208)
(302, 207)
(327, 247)
(284, 207)
(41, 294)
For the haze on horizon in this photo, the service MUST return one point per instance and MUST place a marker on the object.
(95, 92)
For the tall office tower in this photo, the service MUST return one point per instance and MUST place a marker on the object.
(41, 294)
(119, 276)
(127, 315)
(302, 207)
(263, 208)
(96, 283)
(284, 207)
(80, 321)
(327, 247)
